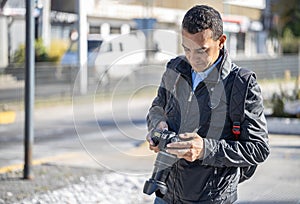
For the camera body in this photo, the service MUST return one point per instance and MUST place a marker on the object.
(163, 137)
(163, 162)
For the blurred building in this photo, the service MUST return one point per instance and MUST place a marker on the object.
(55, 19)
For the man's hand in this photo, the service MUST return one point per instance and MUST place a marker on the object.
(190, 149)
(161, 126)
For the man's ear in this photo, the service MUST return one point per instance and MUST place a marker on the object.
(222, 41)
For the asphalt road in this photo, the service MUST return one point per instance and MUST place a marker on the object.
(68, 128)
(110, 135)
(278, 179)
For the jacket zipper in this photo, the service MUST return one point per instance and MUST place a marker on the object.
(175, 176)
(191, 96)
(215, 177)
(188, 106)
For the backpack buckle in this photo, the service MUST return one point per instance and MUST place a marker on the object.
(236, 129)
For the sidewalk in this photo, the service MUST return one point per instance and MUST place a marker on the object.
(59, 182)
(74, 177)
(66, 180)
(65, 184)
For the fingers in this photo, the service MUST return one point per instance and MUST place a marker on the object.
(180, 145)
(190, 149)
(151, 144)
(148, 138)
(187, 154)
(188, 136)
(162, 125)
(179, 152)
(154, 148)
(188, 141)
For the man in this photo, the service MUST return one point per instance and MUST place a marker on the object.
(207, 170)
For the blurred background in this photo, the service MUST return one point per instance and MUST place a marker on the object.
(263, 35)
(98, 65)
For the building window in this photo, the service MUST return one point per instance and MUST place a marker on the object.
(115, 30)
(95, 30)
(241, 42)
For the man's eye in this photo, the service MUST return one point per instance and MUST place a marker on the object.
(201, 51)
(186, 49)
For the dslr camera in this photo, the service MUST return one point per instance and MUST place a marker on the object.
(163, 162)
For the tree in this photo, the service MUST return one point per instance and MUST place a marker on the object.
(289, 15)
(288, 23)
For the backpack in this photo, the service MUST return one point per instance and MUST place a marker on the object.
(236, 109)
(237, 114)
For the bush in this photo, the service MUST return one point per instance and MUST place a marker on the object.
(278, 105)
(290, 43)
(279, 100)
(41, 54)
(58, 48)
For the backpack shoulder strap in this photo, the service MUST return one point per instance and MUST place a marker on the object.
(237, 99)
(237, 111)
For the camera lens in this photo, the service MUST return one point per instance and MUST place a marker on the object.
(175, 139)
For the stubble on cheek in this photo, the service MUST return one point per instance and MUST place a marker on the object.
(201, 66)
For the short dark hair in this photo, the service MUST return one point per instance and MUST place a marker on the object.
(202, 17)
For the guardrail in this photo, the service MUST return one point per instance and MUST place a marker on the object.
(272, 68)
(57, 80)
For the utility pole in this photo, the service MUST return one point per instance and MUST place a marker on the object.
(29, 89)
(82, 45)
(298, 76)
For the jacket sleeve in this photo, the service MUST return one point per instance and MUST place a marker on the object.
(157, 110)
(252, 147)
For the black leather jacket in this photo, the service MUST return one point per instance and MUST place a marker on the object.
(213, 179)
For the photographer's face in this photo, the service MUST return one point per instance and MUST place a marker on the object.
(200, 48)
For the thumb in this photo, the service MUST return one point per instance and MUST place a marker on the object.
(148, 138)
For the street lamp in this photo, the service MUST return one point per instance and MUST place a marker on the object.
(29, 90)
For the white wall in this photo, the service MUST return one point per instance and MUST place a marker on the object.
(3, 42)
(18, 34)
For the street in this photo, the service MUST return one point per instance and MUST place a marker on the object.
(278, 179)
(110, 135)
(84, 128)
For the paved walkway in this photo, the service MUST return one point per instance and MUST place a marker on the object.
(63, 180)
(75, 177)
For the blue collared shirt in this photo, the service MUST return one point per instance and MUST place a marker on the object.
(197, 77)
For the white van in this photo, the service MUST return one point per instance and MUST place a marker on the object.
(70, 57)
(120, 55)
